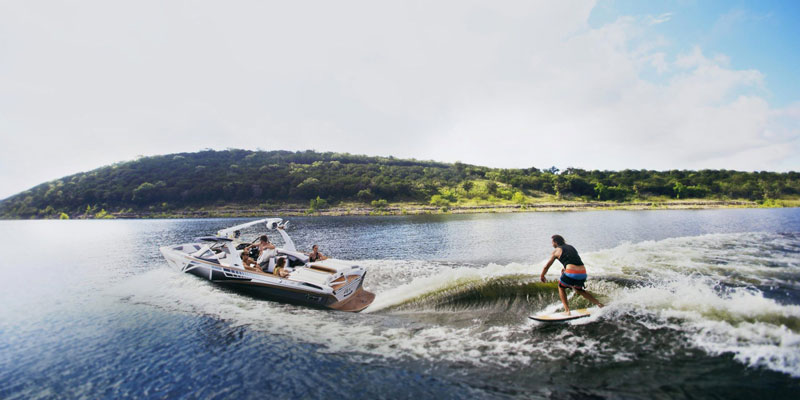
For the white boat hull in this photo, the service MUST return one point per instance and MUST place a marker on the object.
(307, 285)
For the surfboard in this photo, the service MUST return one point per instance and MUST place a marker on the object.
(560, 316)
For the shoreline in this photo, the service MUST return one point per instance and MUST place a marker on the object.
(420, 209)
(398, 209)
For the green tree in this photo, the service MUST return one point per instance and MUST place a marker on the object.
(147, 192)
(559, 184)
(317, 204)
(679, 189)
(449, 195)
(379, 204)
(103, 214)
(439, 201)
(365, 195)
(600, 191)
(308, 187)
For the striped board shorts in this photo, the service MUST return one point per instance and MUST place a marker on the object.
(571, 279)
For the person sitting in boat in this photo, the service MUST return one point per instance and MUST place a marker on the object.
(248, 262)
(315, 255)
(280, 268)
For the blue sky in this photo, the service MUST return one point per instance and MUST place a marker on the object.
(512, 84)
(762, 35)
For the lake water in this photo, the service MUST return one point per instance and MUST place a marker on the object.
(700, 304)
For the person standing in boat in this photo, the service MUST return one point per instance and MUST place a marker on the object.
(573, 275)
(265, 248)
(264, 244)
(266, 251)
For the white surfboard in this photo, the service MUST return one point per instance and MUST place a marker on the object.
(560, 316)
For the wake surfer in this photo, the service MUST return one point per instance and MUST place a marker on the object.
(573, 276)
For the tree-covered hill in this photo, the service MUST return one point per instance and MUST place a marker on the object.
(241, 177)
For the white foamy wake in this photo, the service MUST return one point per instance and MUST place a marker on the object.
(739, 321)
(740, 258)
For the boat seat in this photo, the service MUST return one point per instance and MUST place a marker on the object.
(270, 265)
(311, 276)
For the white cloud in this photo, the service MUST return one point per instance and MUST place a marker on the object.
(528, 83)
(598, 112)
(659, 19)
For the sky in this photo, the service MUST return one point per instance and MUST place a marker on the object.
(613, 85)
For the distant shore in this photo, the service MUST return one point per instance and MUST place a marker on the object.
(247, 183)
(422, 209)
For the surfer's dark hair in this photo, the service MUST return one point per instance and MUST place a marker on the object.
(264, 238)
(559, 240)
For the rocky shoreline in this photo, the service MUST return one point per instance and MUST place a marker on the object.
(420, 209)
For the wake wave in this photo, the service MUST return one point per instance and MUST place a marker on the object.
(504, 292)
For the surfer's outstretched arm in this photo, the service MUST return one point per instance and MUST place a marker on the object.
(547, 266)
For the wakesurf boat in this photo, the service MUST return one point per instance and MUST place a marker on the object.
(330, 283)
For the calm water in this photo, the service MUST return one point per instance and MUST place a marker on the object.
(701, 304)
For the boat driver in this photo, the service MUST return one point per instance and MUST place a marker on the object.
(264, 244)
(266, 250)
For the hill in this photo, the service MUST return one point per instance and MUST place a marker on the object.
(273, 179)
